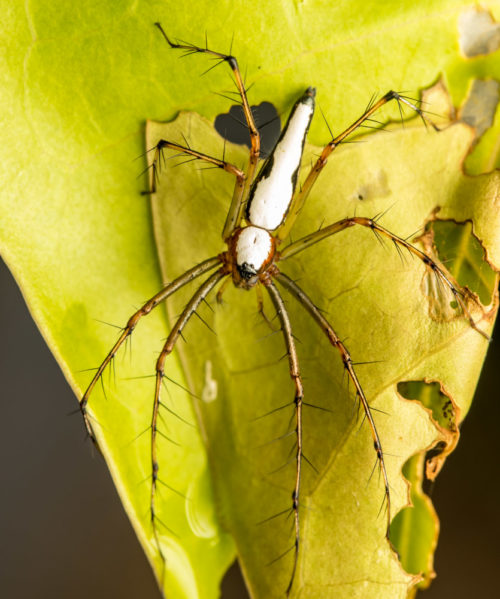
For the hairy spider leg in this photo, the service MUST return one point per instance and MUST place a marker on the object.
(292, 288)
(190, 308)
(302, 193)
(333, 338)
(326, 327)
(370, 223)
(157, 299)
(293, 362)
(235, 213)
(222, 164)
(248, 202)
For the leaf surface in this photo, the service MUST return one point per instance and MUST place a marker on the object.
(376, 301)
(79, 84)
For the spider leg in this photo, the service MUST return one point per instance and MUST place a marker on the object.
(240, 195)
(156, 163)
(302, 194)
(299, 394)
(326, 327)
(168, 290)
(370, 223)
(172, 338)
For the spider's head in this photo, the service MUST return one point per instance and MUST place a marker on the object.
(247, 272)
(252, 250)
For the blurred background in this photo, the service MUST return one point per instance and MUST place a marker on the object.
(65, 534)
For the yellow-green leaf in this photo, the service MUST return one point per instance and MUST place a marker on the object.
(78, 86)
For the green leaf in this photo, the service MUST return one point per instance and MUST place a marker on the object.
(373, 298)
(79, 84)
(415, 529)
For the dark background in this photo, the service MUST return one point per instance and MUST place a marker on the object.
(65, 534)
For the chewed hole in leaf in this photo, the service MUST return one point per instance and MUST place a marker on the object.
(414, 530)
(431, 397)
(455, 246)
(479, 109)
(445, 416)
(479, 34)
(464, 257)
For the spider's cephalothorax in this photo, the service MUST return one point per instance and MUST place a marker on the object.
(263, 210)
(251, 253)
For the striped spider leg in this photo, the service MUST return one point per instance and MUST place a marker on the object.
(263, 210)
(225, 264)
(243, 181)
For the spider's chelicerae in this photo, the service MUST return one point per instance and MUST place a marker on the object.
(263, 210)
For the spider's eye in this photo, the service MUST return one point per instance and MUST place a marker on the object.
(247, 271)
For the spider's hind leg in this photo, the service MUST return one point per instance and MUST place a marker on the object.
(302, 193)
(240, 193)
(158, 156)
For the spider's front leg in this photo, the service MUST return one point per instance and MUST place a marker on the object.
(295, 375)
(335, 341)
(157, 299)
(172, 338)
(242, 189)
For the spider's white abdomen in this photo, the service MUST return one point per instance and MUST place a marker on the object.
(273, 189)
(254, 248)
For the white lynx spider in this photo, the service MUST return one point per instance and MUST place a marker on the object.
(263, 210)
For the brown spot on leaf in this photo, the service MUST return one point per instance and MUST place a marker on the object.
(478, 32)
